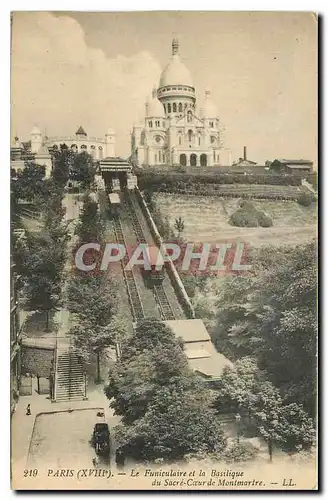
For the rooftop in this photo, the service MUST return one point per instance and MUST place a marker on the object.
(80, 131)
(294, 162)
(191, 330)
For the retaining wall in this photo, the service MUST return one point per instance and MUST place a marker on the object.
(170, 268)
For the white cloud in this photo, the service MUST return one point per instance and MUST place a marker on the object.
(58, 82)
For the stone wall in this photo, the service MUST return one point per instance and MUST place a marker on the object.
(170, 268)
(37, 361)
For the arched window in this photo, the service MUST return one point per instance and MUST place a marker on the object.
(189, 135)
(180, 140)
(150, 124)
(155, 158)
(193, 160)
(165, 108)
(199, 140)
(73, 146)
(180, 107)
(159, 156)
(203, 160)
(174, 107)
(84, 146)
(169, 108)
(183, 160)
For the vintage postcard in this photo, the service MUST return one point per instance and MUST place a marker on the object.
(164, 199)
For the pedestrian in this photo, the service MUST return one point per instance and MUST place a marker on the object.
(28, 409)
(95, 462)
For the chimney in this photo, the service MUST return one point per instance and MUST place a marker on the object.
(245, 153)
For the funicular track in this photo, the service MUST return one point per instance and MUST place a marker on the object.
(158, 290)
(131, 286)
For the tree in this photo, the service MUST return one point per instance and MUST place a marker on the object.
(83, 170)
(29, 183)
(92, 299)
(296, 429)
(235, 386)
(90, 338)
(62, 163)
(43, 268)
(134, 380)
(151, 384)
(178, 422)
(179, 226)
(245, 389)
(89, 228)
(151, 335)
(272, 316)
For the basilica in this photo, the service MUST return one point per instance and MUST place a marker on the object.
(174, 131)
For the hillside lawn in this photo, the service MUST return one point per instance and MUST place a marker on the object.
(206, 220)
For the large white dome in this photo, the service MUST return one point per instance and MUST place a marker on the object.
(175, 73)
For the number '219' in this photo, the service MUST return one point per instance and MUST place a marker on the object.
(30, 472)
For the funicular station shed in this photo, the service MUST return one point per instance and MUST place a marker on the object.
(117, 174)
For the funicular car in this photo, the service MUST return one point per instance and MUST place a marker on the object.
(153, 274)
(114, 204)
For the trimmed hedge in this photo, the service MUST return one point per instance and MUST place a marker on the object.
(173, 180)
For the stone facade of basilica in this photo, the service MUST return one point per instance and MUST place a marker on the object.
(174, 132)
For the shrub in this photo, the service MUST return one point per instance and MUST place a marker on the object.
(305, 199)
(248, 216)
(245, 216)
(264, 220)
(242, 218)
(240, 452)
(246, 204)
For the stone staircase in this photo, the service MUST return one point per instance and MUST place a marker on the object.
(70, 379)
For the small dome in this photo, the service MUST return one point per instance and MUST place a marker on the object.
(209, 109)
(175, 73)
(154, 106)
(36, 130)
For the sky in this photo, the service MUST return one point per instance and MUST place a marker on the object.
(97, 69)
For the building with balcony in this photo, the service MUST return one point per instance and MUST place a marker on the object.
(39, 148)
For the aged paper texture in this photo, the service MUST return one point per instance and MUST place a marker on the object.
(163, 264)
